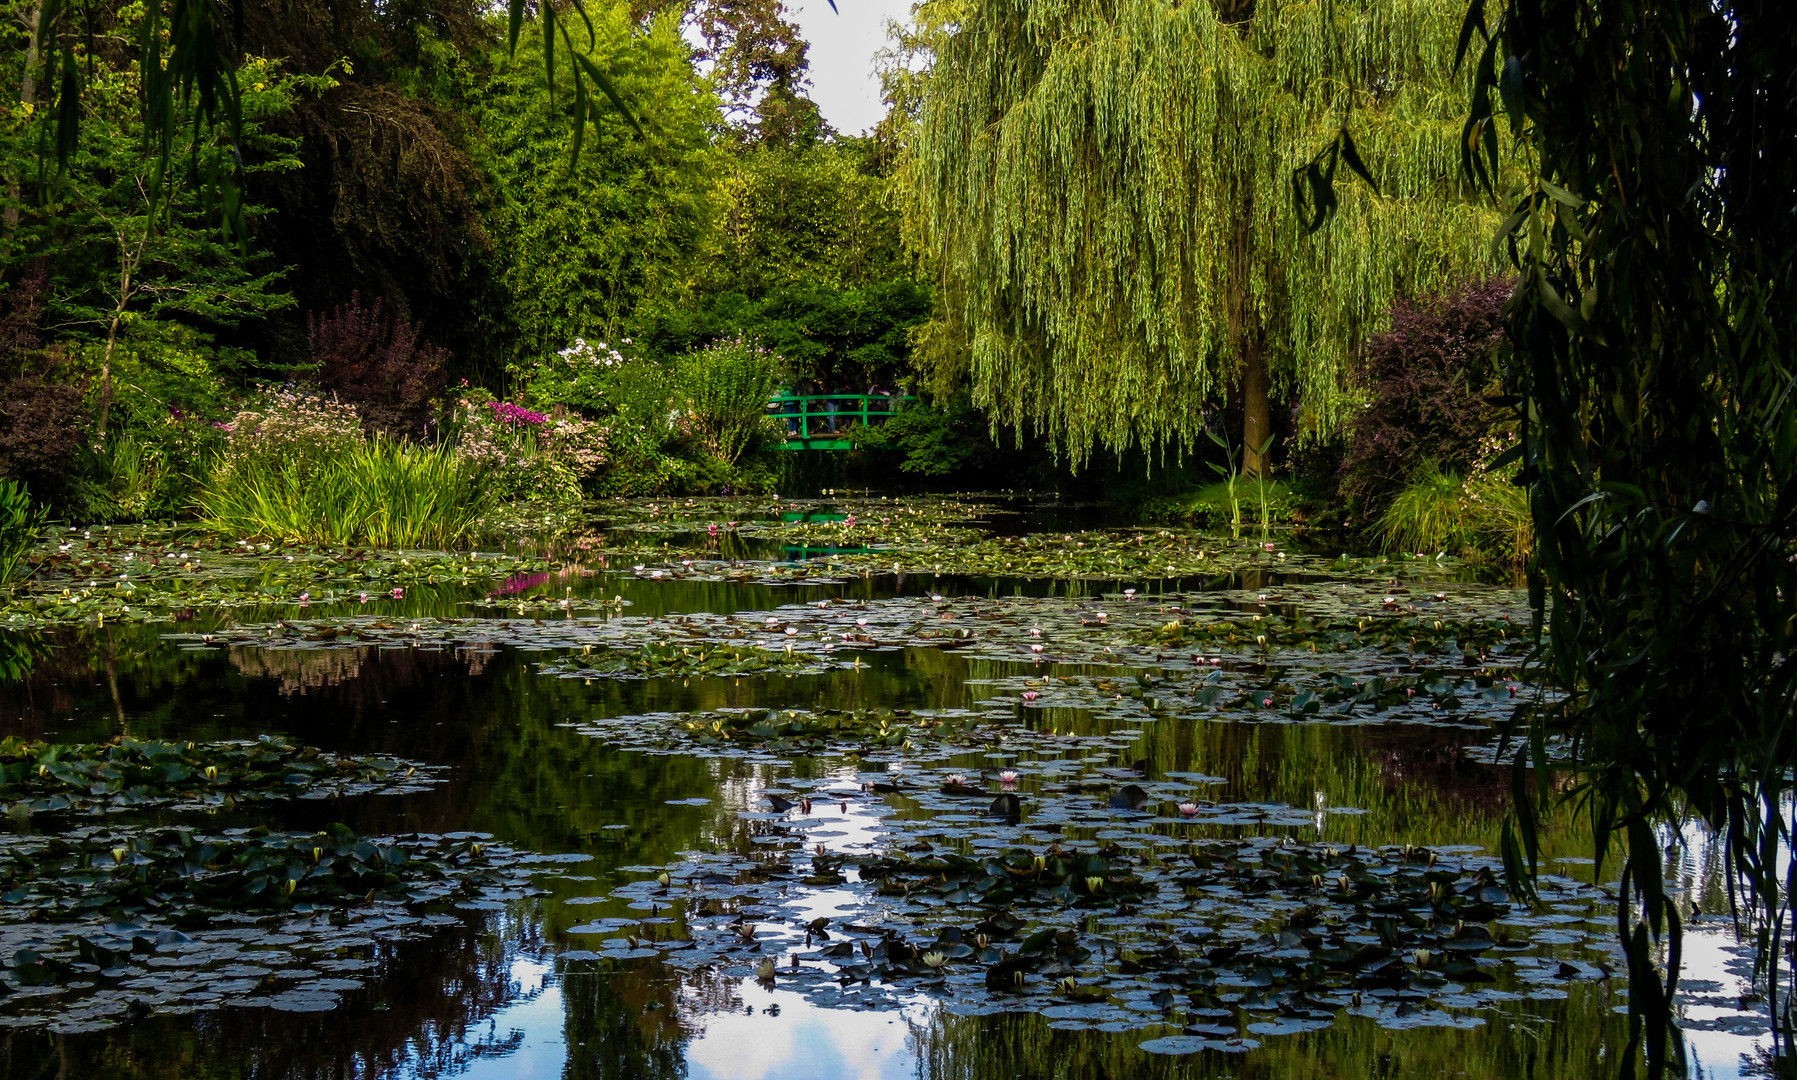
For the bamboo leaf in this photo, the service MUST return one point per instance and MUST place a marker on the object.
(603, 81)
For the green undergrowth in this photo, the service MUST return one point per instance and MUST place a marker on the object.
(1276, 506)
(380, 492)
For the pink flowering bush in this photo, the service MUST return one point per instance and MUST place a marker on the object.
(289, 426)
(527, 455)
(516, 415)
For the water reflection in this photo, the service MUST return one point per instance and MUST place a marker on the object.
(508, 994)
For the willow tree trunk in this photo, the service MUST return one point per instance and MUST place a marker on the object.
(1257, 412)
(1251, 346)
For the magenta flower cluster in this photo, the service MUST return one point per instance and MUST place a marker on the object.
(507, 413)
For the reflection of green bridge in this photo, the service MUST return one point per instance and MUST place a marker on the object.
(822, 421)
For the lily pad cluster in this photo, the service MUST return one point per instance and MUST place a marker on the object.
(134, 774)
(875, 734)
(1111, 630)
(1215, 941)
(155, 573)
(103, 925)
(685, 661)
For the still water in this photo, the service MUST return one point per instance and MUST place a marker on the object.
(523, 989)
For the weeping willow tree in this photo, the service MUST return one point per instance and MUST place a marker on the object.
(1105, 190)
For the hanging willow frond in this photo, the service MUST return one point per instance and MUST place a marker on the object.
(1105, 187)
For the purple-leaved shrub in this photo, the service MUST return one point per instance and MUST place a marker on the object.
(379, 363)
(1425, 381)
(43, 420)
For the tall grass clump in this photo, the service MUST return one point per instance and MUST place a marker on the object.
(724, 389)
(20, 522)
(1428, 514)
(1440, 510)
(381, 492)
(297, 468)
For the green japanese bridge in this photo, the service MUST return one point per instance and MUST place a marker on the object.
(822, 421)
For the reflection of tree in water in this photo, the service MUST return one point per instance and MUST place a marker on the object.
(421, 1012)
(1579, 1036)
(299, 670)
(625, 1024)
(1440, 764)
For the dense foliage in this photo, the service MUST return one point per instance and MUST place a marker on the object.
(1653, 328)
(1426, 380)
(1105, 193)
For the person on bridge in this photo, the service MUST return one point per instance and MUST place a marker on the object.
(879, 402)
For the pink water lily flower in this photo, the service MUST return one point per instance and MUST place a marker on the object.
(399, 594)
(1188, 809)
(1030, 695)
(1008, 778)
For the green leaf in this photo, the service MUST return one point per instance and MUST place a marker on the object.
(1474, 21)
(603, 81)
(1351, 156)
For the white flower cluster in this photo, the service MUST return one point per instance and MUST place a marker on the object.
(583, 352)
(291, 425)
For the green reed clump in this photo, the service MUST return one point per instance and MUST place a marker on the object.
(1441, 511)
(1429, 514)
(379, 492)
(20, 522)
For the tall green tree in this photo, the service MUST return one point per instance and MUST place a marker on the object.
(575, 250)
(137, 272)
(817, 215)
(135, 268)
(1105, 191)
(1656, 369)
(758, 63)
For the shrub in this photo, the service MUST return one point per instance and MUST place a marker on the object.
(43, 428)
(1425, 379)
(20, 523)
(289, 427)
(525, 454)
(724, 388)
(43, 421)
(929, 440)
(380, 364)
(377, 491)
(590, 376)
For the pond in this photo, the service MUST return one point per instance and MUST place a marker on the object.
(740, 789)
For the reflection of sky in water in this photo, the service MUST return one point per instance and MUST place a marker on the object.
(801, 1042)
(539, 1016)
(1712, 953)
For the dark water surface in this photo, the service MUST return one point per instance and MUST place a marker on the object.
(500, 996)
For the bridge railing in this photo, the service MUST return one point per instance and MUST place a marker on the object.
(829, 416)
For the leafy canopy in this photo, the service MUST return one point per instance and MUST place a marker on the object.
(1105, 191)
